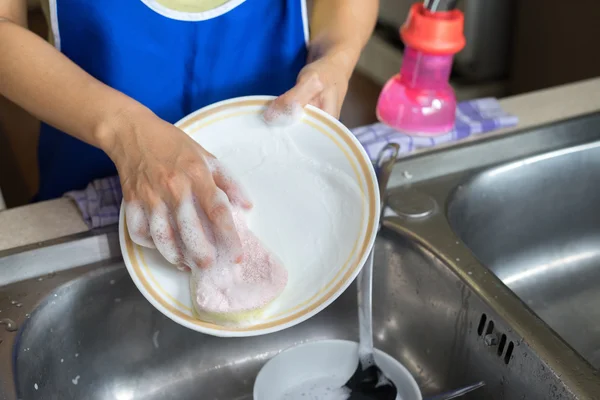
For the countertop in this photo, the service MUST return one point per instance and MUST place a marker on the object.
(58, 218)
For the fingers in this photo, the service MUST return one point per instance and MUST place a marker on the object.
(185, 211)
(233, 189)
(288, 107)
(138, 224)
(193, 237)
(307, 88)
(196, 236)
(215, 204)
(331, 104)
(187, 229)
(164, 235)
(180, 239)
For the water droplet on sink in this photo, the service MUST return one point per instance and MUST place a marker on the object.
(62, 360)
(76, 380)
(13, 302)
(112, 281)
(155, 339)
(76, 355)
(9, 324)
(35, 386)
(19, 305)
(27, 315)
(41, 278)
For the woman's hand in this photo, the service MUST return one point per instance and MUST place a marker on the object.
(178, 197)
(323, 83)
(339, 30)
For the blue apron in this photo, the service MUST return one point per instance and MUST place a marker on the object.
(173, 67)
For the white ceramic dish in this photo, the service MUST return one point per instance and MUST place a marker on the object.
(326, 364)
(314, 281)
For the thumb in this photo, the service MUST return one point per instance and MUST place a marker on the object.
(288, 107)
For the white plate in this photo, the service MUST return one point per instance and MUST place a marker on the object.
(315, 279)
(326, 364)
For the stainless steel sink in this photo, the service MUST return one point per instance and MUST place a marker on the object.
(73, 325)
(516, 218)
(87, 333)
(536, 224)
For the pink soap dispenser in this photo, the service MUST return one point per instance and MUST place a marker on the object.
(419, 100)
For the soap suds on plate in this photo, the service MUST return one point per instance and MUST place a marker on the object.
(229, 287)
(306, 219)
(317, 389)
(285, 115)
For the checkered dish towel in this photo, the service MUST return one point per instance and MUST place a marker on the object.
(100, 202)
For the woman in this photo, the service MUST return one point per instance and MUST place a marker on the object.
(118, 73)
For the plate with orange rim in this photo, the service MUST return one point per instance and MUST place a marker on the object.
(321, 229)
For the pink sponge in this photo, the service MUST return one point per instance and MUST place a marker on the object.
(230, 293)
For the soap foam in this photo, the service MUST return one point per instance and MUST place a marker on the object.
(226, 238)
(283, 115)
(138, 225)
(224, 180)
(227, 287)
(164, 236)
(301, 219)
(196, 235)
(317, 389)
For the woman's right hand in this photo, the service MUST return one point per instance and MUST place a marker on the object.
(177, 195)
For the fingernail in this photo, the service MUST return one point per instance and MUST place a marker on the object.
(206, 262)
(239, 258)
(246, 204)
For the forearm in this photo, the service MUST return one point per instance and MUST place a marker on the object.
(39, 78)
(341, 28)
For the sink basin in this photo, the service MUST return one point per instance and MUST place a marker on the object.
(535, 223)
(87, 333)
(488, 270)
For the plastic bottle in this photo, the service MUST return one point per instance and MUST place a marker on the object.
(419, 100)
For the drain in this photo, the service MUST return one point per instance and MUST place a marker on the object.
(502, 344)
(486, 329)
(509, 351)
(481, 325)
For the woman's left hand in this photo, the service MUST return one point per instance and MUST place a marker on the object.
(322, 83)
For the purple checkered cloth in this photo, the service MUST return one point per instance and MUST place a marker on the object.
(473, 117)
(100, 202)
